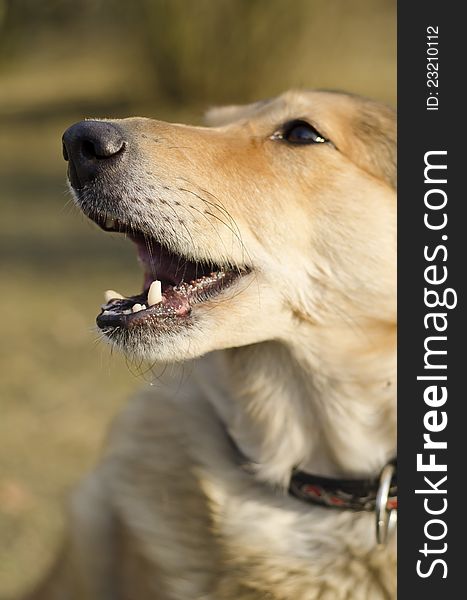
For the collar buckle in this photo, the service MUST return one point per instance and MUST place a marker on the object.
(386, 515)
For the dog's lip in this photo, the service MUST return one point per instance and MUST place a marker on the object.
(184, 283)
(177, 302)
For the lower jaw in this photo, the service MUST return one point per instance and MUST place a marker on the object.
(156, 341)
(172, 311)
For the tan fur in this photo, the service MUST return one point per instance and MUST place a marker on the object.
(297, 362)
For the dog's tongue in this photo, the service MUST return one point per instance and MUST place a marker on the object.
(159, 263)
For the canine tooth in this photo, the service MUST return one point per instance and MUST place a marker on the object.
(127, 312)
(112, 295)
(136, 308)
(155, 293)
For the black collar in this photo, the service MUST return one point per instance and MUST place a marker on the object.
(350, 494)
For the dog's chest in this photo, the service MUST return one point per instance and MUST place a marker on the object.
(273, 548)
(191, 509)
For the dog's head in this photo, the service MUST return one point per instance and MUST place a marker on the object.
(279, 214)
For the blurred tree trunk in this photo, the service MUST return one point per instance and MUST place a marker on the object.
(204, 48)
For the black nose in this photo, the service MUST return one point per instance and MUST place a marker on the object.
(90, 146)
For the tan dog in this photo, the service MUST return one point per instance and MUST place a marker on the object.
(273, 236)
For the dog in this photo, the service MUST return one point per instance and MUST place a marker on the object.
(268, 243)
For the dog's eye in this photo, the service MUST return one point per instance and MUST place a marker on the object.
(299, 132)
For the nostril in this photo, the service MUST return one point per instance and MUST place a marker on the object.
(65, 153)
(101, 148)
(88, 149)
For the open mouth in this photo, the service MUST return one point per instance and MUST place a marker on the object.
(173, 284)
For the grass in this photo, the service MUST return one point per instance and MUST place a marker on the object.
(59, 387)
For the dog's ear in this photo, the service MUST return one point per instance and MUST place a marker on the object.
(223, 115)
(375, 127)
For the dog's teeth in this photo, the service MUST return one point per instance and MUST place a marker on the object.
(155, 293)
(127, 312)
(112, 295)
(136, 308)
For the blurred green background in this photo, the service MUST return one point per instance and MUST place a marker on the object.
(61, 61)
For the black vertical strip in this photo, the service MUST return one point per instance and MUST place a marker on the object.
(432, 270)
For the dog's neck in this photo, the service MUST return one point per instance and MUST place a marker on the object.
(327, 405)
